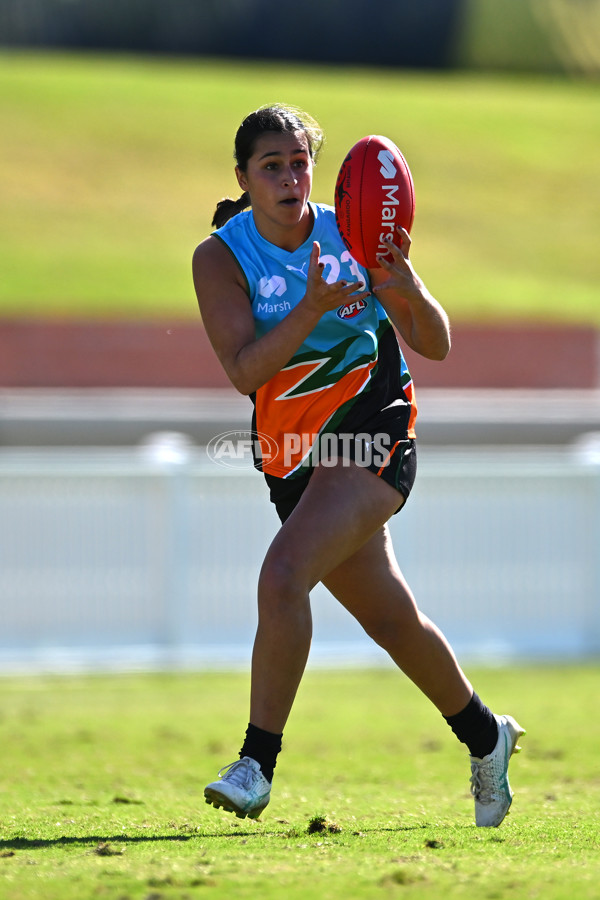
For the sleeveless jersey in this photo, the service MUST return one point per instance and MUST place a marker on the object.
(349, 368)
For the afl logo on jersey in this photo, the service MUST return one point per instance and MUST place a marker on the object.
(351, 310)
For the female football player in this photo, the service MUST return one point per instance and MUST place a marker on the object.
(306, 332)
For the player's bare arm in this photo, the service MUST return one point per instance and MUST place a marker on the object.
(227, 315)
(420, 319)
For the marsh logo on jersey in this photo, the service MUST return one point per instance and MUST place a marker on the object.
(350, 310)
(276, 284)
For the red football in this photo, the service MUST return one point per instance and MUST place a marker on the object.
(374, 193)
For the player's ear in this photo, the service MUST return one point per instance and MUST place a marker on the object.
(241, 178)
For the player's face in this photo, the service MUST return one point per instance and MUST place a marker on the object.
(279, 178)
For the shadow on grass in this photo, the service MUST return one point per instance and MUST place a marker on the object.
(22, 843)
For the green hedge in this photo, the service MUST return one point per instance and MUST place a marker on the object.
(530, 35)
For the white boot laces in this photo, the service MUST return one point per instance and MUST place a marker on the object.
(482, 781)
(238, 773)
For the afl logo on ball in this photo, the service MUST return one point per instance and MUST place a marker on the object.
(350, 310)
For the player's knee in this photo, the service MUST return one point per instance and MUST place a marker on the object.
(382, 632)
(389, 631)
(281, 582)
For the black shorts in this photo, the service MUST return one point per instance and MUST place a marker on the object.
(393, 459)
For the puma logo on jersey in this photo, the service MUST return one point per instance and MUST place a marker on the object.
(300, 271)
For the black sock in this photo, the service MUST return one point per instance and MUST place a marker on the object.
(476, 727)
(263, 746)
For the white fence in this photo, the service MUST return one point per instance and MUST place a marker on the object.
(119, 559)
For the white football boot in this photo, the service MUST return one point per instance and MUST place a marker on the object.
(489, 776)
(242, 789)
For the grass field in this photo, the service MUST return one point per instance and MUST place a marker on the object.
(111, 167)
(102, 777)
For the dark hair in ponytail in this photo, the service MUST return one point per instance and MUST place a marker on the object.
(277, 118)
(228, 208)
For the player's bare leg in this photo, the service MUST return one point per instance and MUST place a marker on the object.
(371, 586)
(342, 507)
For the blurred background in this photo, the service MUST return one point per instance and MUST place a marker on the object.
(122, 542)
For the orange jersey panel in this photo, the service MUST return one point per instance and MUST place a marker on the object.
(294, 422)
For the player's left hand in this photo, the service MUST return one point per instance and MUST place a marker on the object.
(401, 274)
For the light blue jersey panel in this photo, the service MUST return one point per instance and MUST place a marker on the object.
(277, 282)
